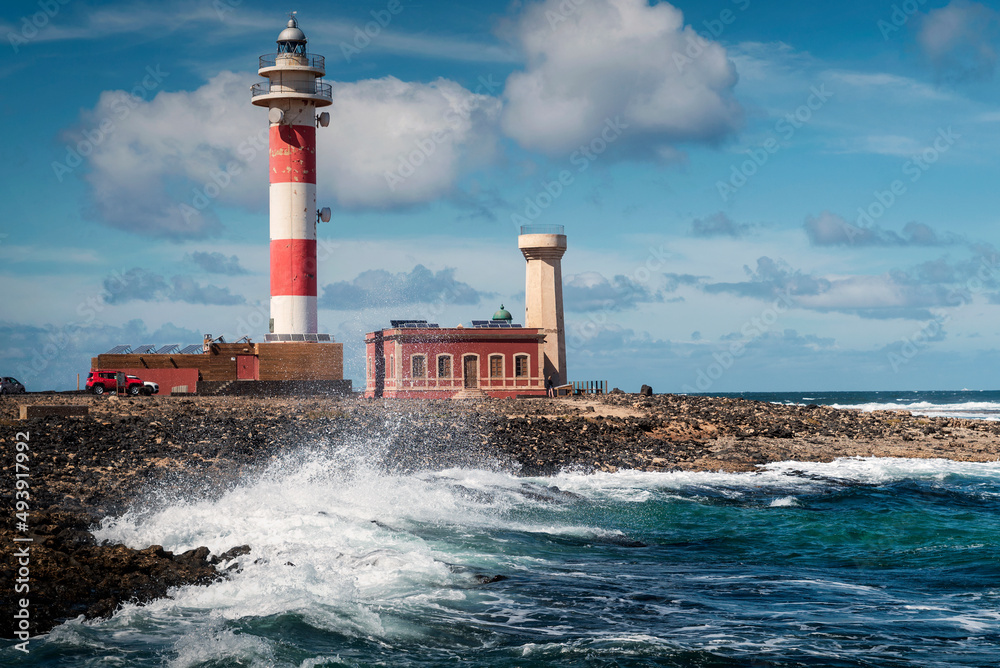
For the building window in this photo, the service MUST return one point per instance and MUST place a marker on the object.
(521, 366)
(444, 366)
(370, 367)
(418, 366)
(392, 366)
(496, 366)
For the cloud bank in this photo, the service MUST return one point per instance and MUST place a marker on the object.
(617, 59)
(379, 288)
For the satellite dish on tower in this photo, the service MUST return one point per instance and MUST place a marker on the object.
(324, 214)
(275, 115)
(324, 119)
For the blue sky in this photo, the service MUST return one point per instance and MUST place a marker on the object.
(757, 195)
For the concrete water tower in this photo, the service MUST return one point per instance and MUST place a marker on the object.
(292, 93)
(543, 247)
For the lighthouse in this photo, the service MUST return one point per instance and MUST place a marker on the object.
(293, 91)
(543, 247)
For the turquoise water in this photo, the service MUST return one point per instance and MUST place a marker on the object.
(859, 562)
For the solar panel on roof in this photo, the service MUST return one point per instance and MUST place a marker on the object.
(119, 350)
(166, 350)
(142, 350)
(193, 349)
(322, 337)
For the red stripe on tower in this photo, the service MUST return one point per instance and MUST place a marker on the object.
(293, 267)
(293, 153)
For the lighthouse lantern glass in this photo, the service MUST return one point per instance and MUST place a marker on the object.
(297, 48)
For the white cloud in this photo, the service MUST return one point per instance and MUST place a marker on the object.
(159, 166)
(604, 59)
(959, 40)
(882, 84)
(888, 144)
(395, 143)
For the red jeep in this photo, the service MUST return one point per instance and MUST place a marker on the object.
(100, 382)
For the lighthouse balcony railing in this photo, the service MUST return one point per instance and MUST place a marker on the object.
(319, 88)
(542, 229)
(294, 60)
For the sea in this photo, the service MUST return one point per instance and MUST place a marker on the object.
(856, 562)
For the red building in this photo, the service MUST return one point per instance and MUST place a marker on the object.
(414, 359)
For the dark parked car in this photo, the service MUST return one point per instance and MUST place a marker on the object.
(10, 385)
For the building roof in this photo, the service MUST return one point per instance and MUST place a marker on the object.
(292, 33)
(485, 332)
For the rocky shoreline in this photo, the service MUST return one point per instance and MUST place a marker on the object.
(85, 469)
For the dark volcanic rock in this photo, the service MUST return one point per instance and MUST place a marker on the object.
(70, 575)
(85, 469)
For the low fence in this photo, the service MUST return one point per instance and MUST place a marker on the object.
(590, 387)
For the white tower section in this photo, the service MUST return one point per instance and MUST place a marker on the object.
(292, 93)
(543, 247)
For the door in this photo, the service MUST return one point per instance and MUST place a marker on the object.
(247, 367)
(471, 372)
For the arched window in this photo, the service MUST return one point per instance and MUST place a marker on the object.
(521, 366)
(496, 366)
(444, 366)
(418, 366)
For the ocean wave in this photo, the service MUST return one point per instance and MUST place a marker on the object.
(989, 410)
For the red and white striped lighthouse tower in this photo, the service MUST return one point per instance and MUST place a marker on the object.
(292, 93)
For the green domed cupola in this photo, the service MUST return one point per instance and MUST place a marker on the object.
(503, 315)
